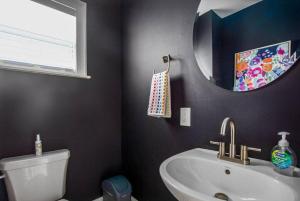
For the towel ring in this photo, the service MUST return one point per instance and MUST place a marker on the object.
(166, 59)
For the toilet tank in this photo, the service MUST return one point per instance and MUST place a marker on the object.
(36, 178)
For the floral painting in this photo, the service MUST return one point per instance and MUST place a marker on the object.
(258, 67)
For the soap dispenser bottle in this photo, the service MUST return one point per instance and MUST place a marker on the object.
(38, 145)
(283, 157)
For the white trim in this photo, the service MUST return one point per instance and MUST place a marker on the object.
(101, 199)
(44, 71)
(81, 40)
(58, 5)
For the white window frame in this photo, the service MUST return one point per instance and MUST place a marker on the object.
(78, 9)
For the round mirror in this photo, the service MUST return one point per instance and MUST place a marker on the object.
(243, 45)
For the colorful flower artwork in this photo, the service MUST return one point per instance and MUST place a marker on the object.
(258, 67)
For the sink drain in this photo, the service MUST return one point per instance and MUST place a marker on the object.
(221, 196)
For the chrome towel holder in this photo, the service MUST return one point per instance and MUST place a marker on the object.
(166, 59)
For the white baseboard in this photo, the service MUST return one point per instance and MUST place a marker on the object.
(101, 199)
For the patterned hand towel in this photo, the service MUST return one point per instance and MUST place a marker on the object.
(160, 96)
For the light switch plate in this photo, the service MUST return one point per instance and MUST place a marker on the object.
(185, 116)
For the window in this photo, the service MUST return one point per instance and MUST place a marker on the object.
(43, 36)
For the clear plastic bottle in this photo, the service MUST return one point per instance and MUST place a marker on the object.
(283, 157)
(38, 145)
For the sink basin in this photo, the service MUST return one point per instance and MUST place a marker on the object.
(198, 175)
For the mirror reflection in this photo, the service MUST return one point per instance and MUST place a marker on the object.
(243, 45)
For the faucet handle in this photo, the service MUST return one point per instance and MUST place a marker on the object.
(214, 143)
(221, 147)
(244, 153)
(254, 149)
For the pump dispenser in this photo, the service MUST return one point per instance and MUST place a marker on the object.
(283, 157)
(283, 142)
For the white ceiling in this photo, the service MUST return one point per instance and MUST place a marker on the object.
(224, 8)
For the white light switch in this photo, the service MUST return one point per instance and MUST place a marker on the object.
(185, 116)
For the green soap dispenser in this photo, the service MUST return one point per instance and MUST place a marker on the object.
(283, 157)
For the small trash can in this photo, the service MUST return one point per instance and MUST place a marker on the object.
(116, 188)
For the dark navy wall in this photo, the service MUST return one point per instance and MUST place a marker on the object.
(154, 28)
(83, 116)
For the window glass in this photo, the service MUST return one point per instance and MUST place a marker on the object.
(35, 35)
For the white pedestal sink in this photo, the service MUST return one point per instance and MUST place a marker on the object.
(197, 175)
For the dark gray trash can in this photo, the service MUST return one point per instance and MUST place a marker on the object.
(116, 188)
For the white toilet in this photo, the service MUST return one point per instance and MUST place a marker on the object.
(36, 178)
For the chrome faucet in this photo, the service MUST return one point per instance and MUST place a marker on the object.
(232, 147)
(232, 157)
